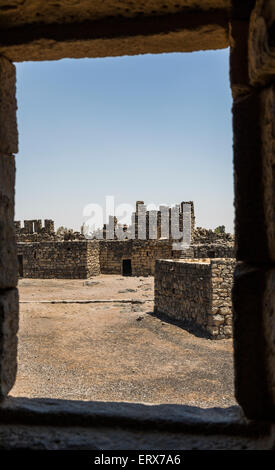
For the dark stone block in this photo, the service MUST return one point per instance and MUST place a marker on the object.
(253, 351)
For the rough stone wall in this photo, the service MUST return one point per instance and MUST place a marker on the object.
(197, 293)
(142, 253)
(8, 260)
(252, 74)
(39, 30)
(65, 260)
(205, 250)
(34, 227)
(183, 291)
(204, 235)
(213, 250)
(55, 258)
(145, 253)
(112, 252)
(34, 231)
(219, 323)
(93, 264)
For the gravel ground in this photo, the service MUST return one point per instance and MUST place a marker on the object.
(114, 352)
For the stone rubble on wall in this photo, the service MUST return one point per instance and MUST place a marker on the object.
(33, 231)
(204, 235)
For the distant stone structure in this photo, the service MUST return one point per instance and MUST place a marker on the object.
(44, 253)
(153, 224)
(190, 282)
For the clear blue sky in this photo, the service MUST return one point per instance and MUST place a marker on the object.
(155, 128)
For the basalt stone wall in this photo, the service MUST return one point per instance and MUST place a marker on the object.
(214, 250)
(204, 235)
(205, 250)
(92, 259)
(142, 253)
(197, 293)
(8, 260)
(89, 258)
(112, 252)
(65, 260)
(146, 252)
(252, 74)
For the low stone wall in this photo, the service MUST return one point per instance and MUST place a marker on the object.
(196, 292)
(65, 260)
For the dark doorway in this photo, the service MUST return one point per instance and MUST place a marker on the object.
(211, 254)
(20, 265)
(126, 267)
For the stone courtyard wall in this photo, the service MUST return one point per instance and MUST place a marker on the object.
(87, 258)
(146, 252)
(205, 250)
(197, 293)
(112, 252)
(93, 264)
(142, 253)
(67, 260)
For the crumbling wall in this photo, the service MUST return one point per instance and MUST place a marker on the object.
(34, 231)
(197, 293)
(204, 235)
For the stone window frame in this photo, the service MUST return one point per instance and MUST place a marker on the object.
(252, 73)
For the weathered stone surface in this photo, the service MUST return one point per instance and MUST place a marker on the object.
(8, 259)
(8, 107)
(239, 78)
(254, 160)
(197, 293)
(269, 331)
(95, 36)
(164, 416)
(114, 437)
(65, 260)
(8, 339)
(59, 424)
(261, 45)
(253, 323)
(66, 11)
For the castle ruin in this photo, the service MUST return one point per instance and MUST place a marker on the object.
(192, 284)
(42, 253)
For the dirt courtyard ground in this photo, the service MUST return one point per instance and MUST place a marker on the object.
(114, 351)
